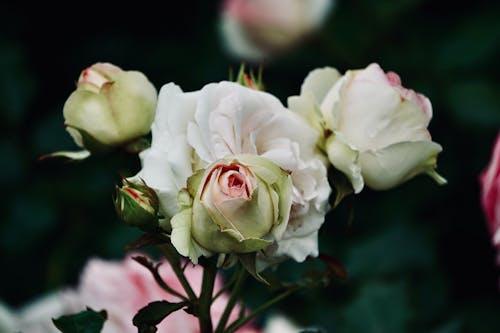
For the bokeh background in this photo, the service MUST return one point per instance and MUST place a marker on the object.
(419, 257)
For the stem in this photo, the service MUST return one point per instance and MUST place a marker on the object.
(154, 271)
(240, 279)
(173, 259)
(166, 287)
(205, 300)
(242, 321)
(226, 287)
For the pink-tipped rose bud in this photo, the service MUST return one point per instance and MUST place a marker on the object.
(240, 204)
(137, 205)
(110, 107)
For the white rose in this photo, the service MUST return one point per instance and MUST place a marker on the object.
(193, 130)
(375, 129)
(254, 29)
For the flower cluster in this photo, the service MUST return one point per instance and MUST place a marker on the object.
(233, 172)
(230, 174)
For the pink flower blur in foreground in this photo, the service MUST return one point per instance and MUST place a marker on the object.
(122, 288)
(490, 195)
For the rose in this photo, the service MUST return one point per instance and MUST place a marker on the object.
(237, 205)
(192, 131)
(110, 107)
(121, 288)
(490, 190)
(137, 205)
(375, 130)
(254, 29)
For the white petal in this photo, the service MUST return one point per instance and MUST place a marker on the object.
(181, 235)
(319, 82)
(388, 167)
(371, 113)
(158, 174)
(174, 111)
(345, 158)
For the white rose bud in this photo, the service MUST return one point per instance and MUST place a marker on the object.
(375, 130)
(240, 204)
(110, 107)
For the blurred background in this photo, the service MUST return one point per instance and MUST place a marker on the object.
(419, 257)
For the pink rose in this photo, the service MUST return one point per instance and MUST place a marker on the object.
(490, 199)
(122, 288)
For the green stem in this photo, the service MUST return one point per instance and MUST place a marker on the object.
(205, 300)
(242, 321)
(240, 279)
(172, 257)
(226, 287)
(165, 286)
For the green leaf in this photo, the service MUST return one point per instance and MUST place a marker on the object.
(152, 314)
(88, 321)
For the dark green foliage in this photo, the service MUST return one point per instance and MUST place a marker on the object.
(152, 314)
(88, 321)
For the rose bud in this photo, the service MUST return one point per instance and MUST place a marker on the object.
(110, 107)
(375, 130)
(137, 205)
(240, 204)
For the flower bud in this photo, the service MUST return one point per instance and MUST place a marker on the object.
(137, 205)
(110, 107)
(241, 204)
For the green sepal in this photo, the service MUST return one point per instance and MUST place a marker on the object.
(341, 185)
(90, 143)
(248, 261)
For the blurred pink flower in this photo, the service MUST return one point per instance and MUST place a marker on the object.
(255, 29)
(122, 288)
(490, 195)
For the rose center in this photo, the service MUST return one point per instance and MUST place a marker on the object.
(235, 181)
